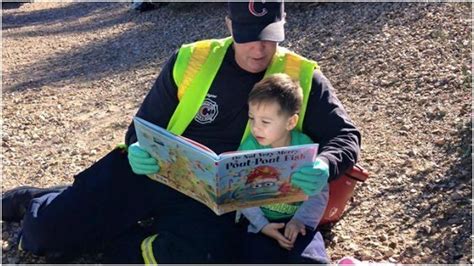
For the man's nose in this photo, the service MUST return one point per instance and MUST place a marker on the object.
(260, 48)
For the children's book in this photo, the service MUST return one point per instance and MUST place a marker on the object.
(228, 181)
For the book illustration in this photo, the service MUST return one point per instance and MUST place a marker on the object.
(261, 182)
(257, 179)
(176, 169)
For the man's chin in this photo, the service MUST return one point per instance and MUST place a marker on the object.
(258, 67)
(256, 70)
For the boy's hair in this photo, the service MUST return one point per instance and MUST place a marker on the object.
(278, 88)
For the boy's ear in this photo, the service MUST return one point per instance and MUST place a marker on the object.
(292, 121)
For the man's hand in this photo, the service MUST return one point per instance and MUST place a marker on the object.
(311, 179)
(141, 161)
(271, 230)
(293, 228)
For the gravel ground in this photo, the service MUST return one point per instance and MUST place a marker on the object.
(75, 73)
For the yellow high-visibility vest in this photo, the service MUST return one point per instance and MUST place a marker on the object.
(196, 67)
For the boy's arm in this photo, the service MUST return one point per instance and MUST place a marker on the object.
(311, 211)
(256, 218)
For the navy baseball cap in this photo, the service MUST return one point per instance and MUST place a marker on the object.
(257, 21)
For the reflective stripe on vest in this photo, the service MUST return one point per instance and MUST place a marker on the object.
(147, 250)
(196, 67)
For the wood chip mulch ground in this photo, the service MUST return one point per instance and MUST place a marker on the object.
(74, 74)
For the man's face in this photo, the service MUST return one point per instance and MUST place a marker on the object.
(254, 57)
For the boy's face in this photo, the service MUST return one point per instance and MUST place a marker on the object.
(269, 126)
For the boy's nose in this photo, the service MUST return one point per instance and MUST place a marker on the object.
(255, 128)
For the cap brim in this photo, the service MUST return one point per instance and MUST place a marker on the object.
(243, 33)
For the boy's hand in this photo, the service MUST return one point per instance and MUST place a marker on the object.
(141, 161)
(272, 230)
(293, 228)
(311, 179)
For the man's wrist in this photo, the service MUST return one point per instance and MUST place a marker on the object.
(323, 159)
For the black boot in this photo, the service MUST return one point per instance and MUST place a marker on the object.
(16, 201)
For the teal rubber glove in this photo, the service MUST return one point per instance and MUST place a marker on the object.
(141, 161)
(311, 179)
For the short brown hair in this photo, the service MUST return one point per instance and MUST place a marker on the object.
(278, 88)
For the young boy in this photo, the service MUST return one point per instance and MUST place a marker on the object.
(273, 231)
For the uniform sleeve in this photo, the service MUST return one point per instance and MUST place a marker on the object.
(328, 124)
(160, 102)
(256, 219)
(312, 210)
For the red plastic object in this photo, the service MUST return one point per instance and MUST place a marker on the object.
(340, 192)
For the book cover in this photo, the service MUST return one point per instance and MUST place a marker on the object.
(228, 181)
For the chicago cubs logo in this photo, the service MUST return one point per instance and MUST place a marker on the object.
(255, 12)
(208, 112)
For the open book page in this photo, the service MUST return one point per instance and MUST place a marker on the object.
(184, 166)
(254, 178)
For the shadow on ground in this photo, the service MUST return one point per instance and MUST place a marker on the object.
(129, 50)
(440, 211)
(10, 5)
(48, 16)
(136, 48)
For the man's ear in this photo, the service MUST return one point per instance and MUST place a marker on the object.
(292, 121)
(228, 23)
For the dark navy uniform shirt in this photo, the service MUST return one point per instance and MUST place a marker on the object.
(221, 120)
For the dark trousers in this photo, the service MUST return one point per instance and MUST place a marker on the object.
(259, 248)
(101, 209)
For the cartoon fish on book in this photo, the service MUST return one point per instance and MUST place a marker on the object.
(262, 182)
